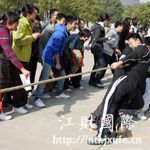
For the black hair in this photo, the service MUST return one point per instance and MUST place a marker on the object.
(38, 18)
(19, 10)
(147, 40)
(118, 23)
(52, 11)
(85, 33)
(127, 21)
(71, 19)
(61, 16)
(10, 18)
(144, 28)
(135, 36)
(103, 17)
(27, 9)
(37, 9)
(81, 19)
(135, 21)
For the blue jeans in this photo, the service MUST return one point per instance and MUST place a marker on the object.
(60, 83)
(44, 76)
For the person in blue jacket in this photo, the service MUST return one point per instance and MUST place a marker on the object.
(51, 57)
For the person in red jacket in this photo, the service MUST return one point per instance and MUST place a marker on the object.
(9, 22)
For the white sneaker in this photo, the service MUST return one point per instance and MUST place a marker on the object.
(46, 96)
(28, 106)
(68, 90)
(63, 95)
(5, 117)
(20, 110)
(81, 88)
(39, 103)
(141, 116)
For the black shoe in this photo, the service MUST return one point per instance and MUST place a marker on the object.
(97, 85)
(100, 141)
(120, 130)
(96, 141)
(92, 122)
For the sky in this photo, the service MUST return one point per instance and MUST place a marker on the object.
(144, 0)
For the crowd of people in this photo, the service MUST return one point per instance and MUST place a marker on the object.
(58, 44)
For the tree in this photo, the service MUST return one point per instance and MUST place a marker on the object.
(85, 9)
(13, 5)
(113, 7)
(141, 11)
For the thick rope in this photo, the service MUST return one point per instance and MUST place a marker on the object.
(51, 80)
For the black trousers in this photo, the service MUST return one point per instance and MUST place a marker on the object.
(33, 66)
(76, 80)
(99, 62)
(18, 97)
(67, 81)
(121, 90)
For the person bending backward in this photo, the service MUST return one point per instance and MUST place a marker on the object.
(121, 89)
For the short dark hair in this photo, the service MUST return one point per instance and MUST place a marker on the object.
(85, 33)
(135, 21)
(71, 19)
(118, 23)
(147, 41)
(127, 21)
(38, 18)
(81, 19)
(144, 28)
(103, 17)
(19, 10)
(61, 16)
(37, 9)
(27, 9)
(9, 17)
(135, 36)
(52, 11)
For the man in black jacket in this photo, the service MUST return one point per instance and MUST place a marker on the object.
(98, 37)
(122, 88)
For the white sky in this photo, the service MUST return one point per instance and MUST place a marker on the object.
(144, 0)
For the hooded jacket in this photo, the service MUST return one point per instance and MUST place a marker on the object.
(55, 45)
(98, 37)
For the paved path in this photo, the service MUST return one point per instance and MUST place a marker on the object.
(61, 125)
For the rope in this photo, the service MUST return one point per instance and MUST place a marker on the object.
(51, 80)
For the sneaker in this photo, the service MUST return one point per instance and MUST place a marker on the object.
(5, 117)
(68, 90)
(28, 106)
(141, 116)
(20, 110)
(39, 103)
(106, 140)
(96, 141)
(81, 88)
(97, 85)
(63, 95)
(92, 122)
(121, 131)
(46, 96)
